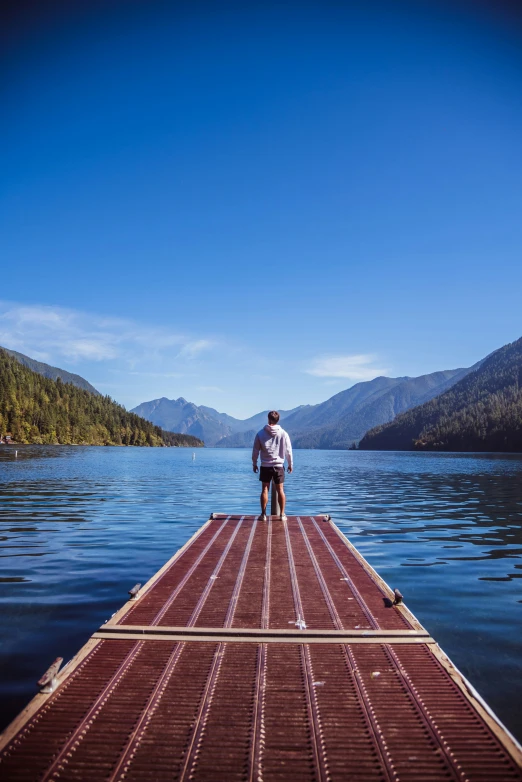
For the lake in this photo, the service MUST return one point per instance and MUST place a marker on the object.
(79, 526)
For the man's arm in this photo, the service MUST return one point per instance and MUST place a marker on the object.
(255, 452)
(288, 453)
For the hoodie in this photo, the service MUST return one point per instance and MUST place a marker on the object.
(274, 444)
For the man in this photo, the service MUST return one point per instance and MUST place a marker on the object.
(274, 445)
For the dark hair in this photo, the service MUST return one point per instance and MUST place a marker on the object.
(273, 416)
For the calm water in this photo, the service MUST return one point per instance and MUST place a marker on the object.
(80, 526)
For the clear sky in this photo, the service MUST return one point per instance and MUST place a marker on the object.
(256, 206)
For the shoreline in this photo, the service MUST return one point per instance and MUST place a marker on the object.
(100, 445)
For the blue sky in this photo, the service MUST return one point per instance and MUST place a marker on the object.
(257, 207)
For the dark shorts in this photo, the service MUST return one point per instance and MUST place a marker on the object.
(276, 474)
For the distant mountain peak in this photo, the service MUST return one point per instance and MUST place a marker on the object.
(335, 423)
(179, 415)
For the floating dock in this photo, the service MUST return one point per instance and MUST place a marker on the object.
(261, 651)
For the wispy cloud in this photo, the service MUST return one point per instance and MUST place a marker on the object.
(57, 333)
(193, 349)
(355, 367)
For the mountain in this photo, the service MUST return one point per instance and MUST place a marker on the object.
(310, 418)
(336, 423)
(53, 373)
(481, 412)
(203, 422)
(178, 415)
(38, 409)
(240, 439)
(345, 418)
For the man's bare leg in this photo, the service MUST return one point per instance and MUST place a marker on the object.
(264, 497)
(281, 497)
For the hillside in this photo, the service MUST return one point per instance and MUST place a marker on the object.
(329, 413)
(200, 421)
(380, 403)
(53, 373)
(345, 417)
(240, 439)
(482, 412)
(182, 416)
(37, 409)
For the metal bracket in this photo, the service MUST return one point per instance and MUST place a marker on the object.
(398, 598)
(48, 682)
(134, 592)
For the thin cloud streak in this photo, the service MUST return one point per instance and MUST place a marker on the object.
(141, 361)
(353, 367)
(54, 333)
(193, 349)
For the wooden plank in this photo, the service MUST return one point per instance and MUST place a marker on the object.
(255, 632)
(298, 639)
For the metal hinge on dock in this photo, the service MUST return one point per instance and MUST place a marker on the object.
(398, 598)
(48, 681)
(134, 592)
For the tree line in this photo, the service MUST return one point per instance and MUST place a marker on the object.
(36, 409)
(482, 412)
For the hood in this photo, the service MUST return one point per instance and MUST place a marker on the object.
(272, 429)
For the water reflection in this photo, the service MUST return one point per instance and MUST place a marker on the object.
(79, 526)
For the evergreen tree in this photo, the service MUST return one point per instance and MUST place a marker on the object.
(36, 409)
(482, 412)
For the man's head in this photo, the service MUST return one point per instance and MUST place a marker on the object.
(273, 417)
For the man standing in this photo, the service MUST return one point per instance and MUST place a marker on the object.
(274, 444)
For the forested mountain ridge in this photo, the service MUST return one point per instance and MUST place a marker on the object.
(37, 409)
(182, 416)
(379, 403)
(346, 416)
(240, 439)
(53, 373)
(201, 421)
(482, 412)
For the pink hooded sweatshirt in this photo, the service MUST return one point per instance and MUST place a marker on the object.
(274, 444)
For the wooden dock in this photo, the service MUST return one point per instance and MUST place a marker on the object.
(261, 651)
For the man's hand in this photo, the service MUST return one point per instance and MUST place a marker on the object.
(255, 468)
(289, 469)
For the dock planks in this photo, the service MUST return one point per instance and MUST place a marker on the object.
(261, 651)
